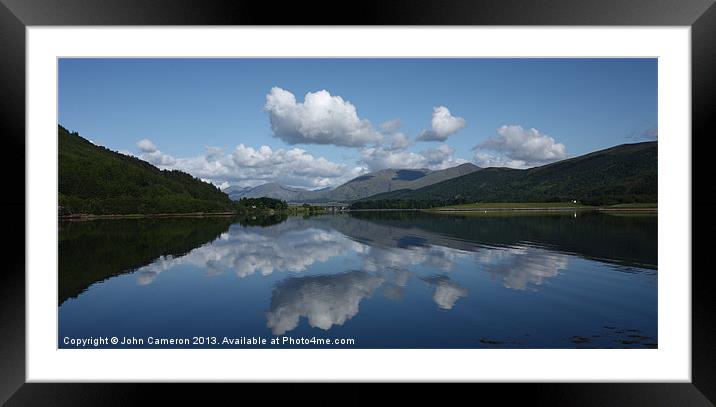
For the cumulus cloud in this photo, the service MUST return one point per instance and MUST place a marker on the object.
(146, 146)
(399, 141)
(251, 166)
(443, 125)
(391, 126)
(517, 147)
(377, 158)
(151, 154)
(322, 118)
(485, 160)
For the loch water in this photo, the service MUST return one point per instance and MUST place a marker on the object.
(393, 279)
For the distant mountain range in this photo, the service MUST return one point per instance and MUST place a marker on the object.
(360, 187)
(623, 174)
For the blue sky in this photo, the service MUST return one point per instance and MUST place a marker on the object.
(192, 114)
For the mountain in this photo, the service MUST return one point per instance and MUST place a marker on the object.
(391, 180)
(95, 180)
(357, 188)
(236, 192)
(622, 174)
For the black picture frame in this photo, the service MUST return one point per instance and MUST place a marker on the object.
(16, 15)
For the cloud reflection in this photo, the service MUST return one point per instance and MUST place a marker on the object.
(387, 260)
(324, 300)
(446, 292)
(288, 247)
(522, 266)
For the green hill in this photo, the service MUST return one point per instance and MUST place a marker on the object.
(95, 180)
(621, 174)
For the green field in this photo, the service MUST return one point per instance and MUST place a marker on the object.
(635, 206)
(515, 205)
(540, 205)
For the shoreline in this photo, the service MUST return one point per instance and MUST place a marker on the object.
(148, 215)
(81, 217)
(555, 209)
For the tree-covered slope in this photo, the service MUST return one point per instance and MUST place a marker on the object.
(621, 174)
(96, 180)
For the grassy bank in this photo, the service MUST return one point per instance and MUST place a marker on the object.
(540, 206)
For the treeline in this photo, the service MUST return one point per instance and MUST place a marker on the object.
(95, 180)
(598, 200)
(263, 203)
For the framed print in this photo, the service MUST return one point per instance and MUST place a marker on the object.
(481, 193)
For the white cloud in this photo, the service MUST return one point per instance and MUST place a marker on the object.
(146, 146)
(391, 126)
(151, 154)
(249, 166)
(378, 158)
(485, 160)
(399, 141)
(441, 157)
(517, 147)
(246, 165)
(443, 123)
(320, 119)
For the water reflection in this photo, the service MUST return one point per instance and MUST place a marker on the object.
(322, 269)
(324, 300)
(520, 267)
(618, 238)
(92, 251)
(291, 246)
(446, 292)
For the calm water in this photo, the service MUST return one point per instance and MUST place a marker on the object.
(381, 279)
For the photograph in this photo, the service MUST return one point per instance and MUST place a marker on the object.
(363, 202)
(235, 195)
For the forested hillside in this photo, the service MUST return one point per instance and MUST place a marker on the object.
(96, 180)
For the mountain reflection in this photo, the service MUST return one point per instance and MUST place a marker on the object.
(625, 240)
(93, 251)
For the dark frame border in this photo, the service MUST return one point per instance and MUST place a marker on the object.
(16, 15)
